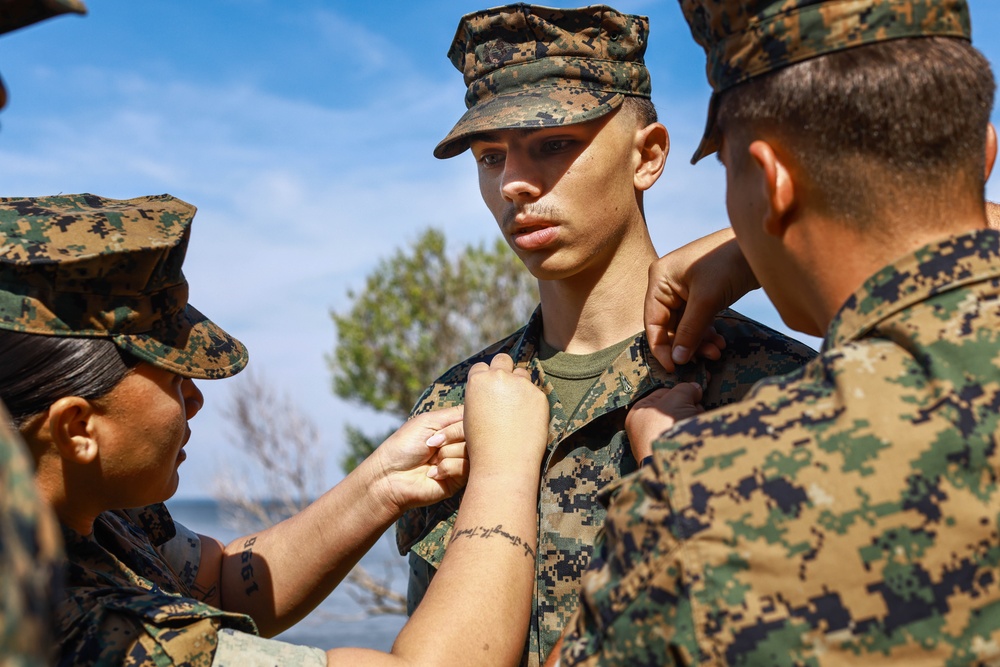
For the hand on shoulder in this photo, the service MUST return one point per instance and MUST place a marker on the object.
(658, 411)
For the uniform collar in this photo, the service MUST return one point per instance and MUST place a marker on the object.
(938, 267)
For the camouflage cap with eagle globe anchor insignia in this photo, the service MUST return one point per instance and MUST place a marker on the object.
(528, 66)
(747, 38)
(87, 266)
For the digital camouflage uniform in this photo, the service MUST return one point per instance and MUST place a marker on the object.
(30, 548)
(129, 599)
(844, 514)
(129, 602)
(30, 557)
(585, 453)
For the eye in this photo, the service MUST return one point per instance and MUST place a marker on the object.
(556, 145)
(490, 159)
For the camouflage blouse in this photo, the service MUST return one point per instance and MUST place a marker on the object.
(129, 603)
(30, 557)
(843, 514)
(586, 451)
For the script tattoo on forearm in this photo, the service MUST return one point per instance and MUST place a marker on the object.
(247, 572)
(485, 533)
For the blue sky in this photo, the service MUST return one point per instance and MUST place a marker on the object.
(303, 132)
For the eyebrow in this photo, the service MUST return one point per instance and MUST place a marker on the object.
(521, 132)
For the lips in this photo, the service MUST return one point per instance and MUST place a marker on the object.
(531, 234)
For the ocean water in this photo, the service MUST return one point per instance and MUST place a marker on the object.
(339, 621)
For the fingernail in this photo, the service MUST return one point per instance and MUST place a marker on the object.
(680, 354)
(436, 440)
(432, 471)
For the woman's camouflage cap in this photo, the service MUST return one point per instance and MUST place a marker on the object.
(746, 38)
(16, 14)
(86, 266)
(528, 66)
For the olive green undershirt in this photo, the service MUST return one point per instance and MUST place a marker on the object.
(572, 375)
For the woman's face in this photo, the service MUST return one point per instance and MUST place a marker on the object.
(142, 431)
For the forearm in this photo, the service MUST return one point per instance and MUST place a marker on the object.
(280, 574)
(482, 591)
(477, 607)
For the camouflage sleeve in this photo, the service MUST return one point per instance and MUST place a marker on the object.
(183, 553)
(753, 352)
(240, 649)
(633, 607)
(30, 558)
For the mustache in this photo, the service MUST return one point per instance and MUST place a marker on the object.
(545, 211)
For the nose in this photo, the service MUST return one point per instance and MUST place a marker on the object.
(521, 177)
(193, 398)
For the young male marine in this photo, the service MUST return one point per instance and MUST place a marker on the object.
(566, 142)
(845, 513)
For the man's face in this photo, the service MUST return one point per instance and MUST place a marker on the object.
(564, 197)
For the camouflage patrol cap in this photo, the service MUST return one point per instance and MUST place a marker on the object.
(16, 14)
(747, 38)
(528, 66)
(86, 266)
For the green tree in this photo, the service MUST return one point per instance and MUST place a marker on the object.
(420, 312)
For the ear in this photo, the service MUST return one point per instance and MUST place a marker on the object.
(779, 188)
(991, 149)
(71, 427)
(653, 144)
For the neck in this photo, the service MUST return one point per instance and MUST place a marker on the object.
(825, 286)
(52, 484)
(600, 305)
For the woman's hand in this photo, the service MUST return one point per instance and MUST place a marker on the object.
(424, 461)
(658, 411)
(506, 419)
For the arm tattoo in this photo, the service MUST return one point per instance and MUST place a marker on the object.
(204, 594)
(247, 571)
(484, 533)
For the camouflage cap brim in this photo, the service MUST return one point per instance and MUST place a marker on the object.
(198, 348)
(548, 106)
(747, 38)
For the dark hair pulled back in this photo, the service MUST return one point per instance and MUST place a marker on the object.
(36, 370)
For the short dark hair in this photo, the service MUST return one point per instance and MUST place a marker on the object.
(896, 117)
(640, 108)
(36, 371)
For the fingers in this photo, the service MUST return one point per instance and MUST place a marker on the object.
(659, 411)
(502, 362)
(438, 420)
(680, 402)
(454, 468)
(453, 433)
(661, 300)
(694, 327)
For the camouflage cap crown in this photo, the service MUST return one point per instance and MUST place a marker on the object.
(529, 66)
(86, 266)
(746, 38)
